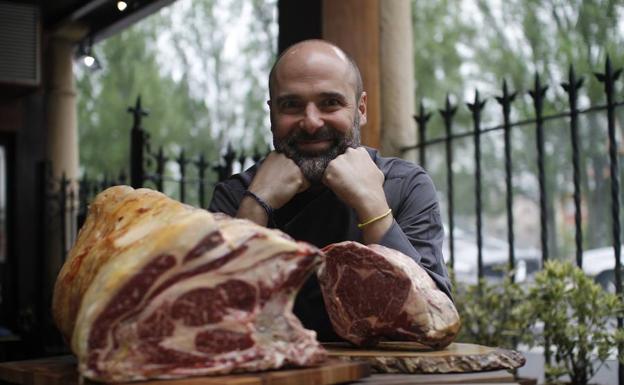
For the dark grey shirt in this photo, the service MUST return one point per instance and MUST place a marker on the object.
(317, 216)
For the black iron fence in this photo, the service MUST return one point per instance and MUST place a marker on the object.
(570, 117)
(571, 87)
(66, 201)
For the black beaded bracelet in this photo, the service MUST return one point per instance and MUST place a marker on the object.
(267, 208)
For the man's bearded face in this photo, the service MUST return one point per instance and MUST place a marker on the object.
(313, 164)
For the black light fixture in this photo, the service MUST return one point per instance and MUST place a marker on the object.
(86, 55)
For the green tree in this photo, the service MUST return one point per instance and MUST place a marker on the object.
(200, 67)
(130, 68)
(476, 44)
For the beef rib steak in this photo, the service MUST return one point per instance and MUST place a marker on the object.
(157, 289)
(375, 293)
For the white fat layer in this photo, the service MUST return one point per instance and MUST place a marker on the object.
(136, 233)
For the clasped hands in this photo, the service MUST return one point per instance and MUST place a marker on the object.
(352, 176)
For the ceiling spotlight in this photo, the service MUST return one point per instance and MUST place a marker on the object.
(122, 5)
(89, 61)
(86, 55)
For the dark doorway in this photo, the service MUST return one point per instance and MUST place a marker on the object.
(7, 266)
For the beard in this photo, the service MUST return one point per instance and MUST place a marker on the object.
(313, 164)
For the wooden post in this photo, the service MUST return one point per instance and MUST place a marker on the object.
(397, 78)
(353, 25)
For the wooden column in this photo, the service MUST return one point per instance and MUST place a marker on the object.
(61, 124)
(397, 78)
(353, 25)
(62, 115)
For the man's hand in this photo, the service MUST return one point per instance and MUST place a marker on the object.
(278, 179)
(358, 182)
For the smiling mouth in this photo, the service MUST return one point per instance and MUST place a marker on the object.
(314, 146)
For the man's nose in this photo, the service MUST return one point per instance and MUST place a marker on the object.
(312, 119)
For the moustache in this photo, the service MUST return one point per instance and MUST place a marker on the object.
(324, 133)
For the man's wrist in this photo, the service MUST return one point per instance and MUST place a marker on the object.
(263, 204)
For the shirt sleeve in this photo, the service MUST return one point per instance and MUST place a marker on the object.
(417, 230)
(226, 198)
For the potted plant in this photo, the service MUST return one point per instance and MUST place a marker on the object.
(576, 317)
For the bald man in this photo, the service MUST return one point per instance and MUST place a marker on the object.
(321, 186)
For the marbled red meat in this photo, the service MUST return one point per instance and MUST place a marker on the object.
(375, 293)
(157, 289)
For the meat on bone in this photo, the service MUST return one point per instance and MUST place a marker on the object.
(375, 293)
(154, 288)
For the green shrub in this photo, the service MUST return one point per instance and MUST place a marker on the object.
(491, 314)
(576, 317)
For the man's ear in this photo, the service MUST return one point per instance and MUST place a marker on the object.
(270, 113)
(362, 108)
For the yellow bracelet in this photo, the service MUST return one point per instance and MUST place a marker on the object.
(368, 222)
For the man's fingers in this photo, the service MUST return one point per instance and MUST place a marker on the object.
(304, 186)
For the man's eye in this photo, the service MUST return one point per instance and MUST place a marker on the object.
(288, 104)
(332, 102)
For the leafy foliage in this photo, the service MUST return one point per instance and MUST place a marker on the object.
(578, 319)
(200, 67)
(460, 46)
(491, 314)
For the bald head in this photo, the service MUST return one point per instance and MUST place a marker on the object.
(309, 52)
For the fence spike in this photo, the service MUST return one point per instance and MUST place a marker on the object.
(182, 162)
(256, 155)
(571, 88)
(537, 94)
(477, 105)
(505, 102)
(573, 83)
(137, 112)
(423, 117)
(121, 179)
(449, 109)
(476, 108)
(229, 157)
(242, 158)
(201, 163)
(507, 97)
(421, 121)
(139, 141)
(448, 112)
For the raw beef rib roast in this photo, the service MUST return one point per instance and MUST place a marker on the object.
(374, 293)
(154, 288)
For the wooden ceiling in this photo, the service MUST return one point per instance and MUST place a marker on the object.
(101, 17)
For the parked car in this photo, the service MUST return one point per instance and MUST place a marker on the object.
(495, 253)
(600, 264)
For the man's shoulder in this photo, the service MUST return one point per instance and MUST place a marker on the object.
(394, 167)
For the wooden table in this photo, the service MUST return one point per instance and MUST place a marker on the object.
(62, 371)
(489, 378)
(346, 365)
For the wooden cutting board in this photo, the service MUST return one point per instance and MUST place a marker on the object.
(406, 357)
(62, 371)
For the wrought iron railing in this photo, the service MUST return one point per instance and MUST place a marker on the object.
(571, 87)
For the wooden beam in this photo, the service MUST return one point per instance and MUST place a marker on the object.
(353, 25)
